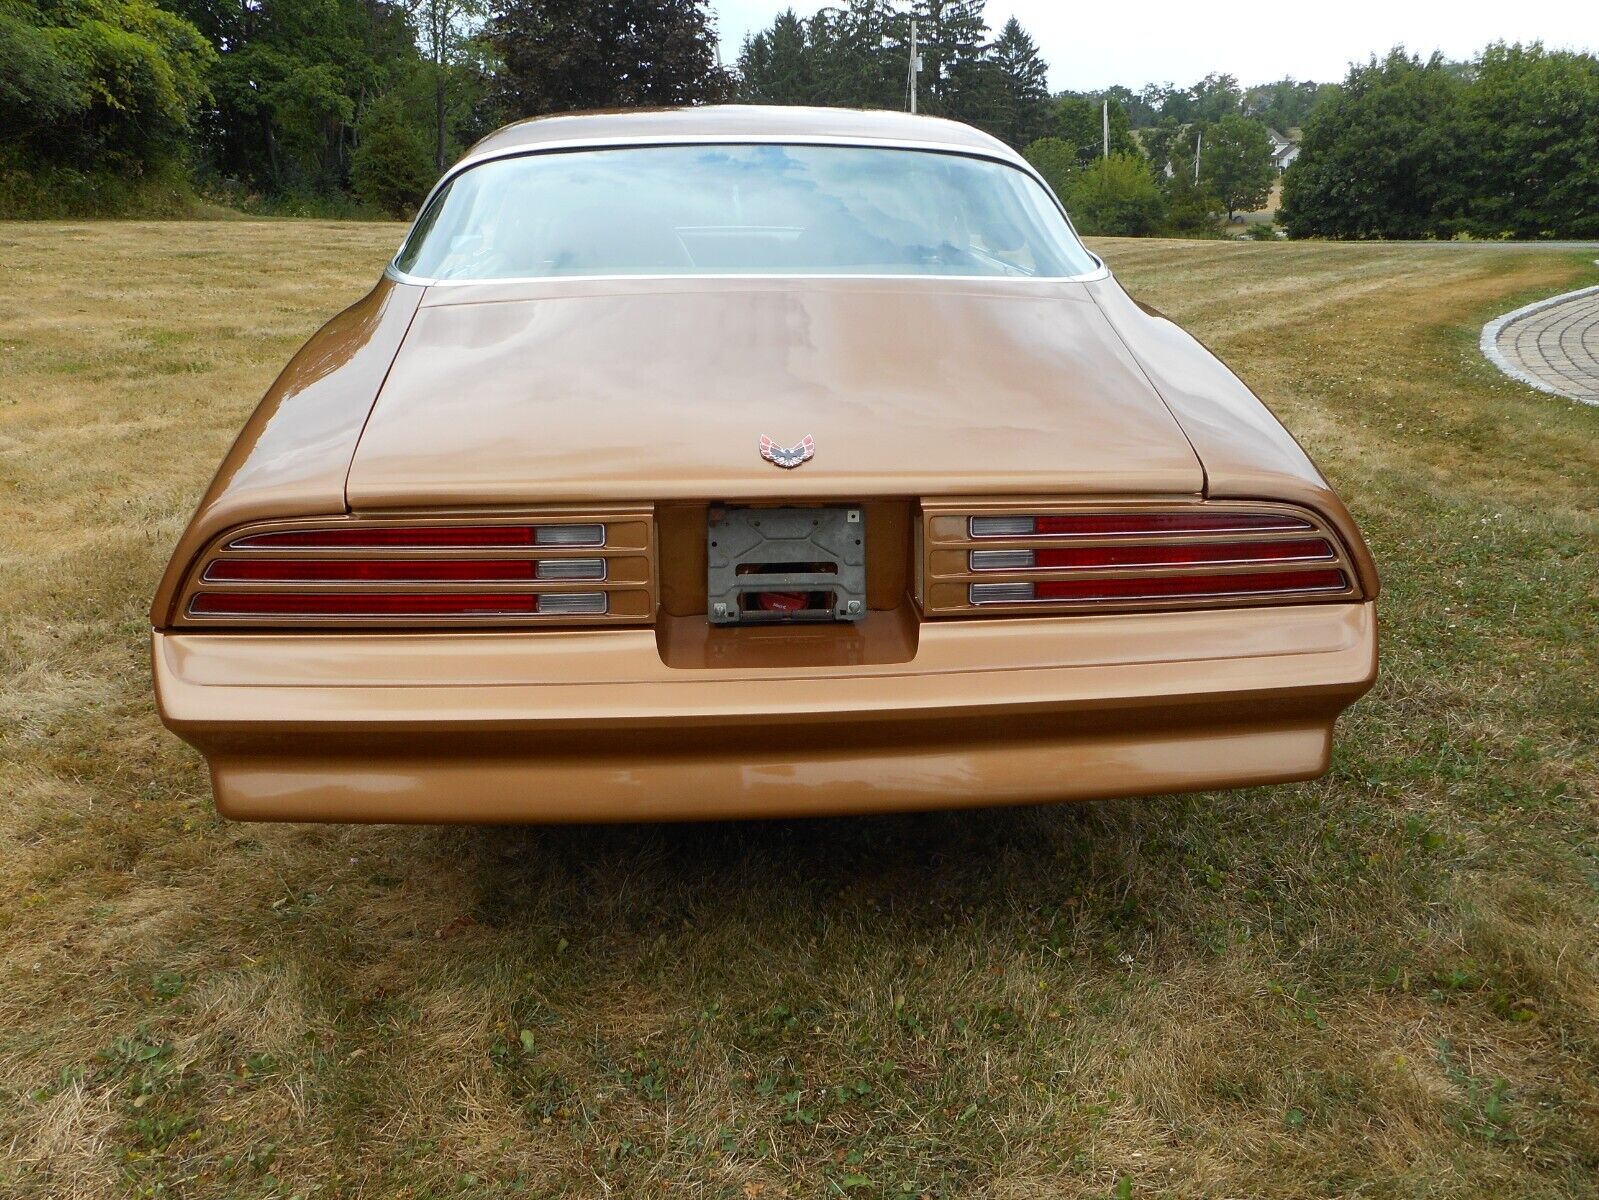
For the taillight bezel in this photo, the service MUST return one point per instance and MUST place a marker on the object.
(948, 537)
(625, 550)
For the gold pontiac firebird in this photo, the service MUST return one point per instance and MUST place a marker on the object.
(737, 462)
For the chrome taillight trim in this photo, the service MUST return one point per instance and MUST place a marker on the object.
(587, 604)
(1001, 560)
(587, 570)
(587, 536)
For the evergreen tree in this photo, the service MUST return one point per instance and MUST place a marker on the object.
(859, 55)
(777, 65)
(1024, 86)
(950, 36)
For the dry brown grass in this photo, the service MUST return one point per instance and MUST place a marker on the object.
(1385, 983)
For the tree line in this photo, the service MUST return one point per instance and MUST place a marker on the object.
(1504, 146)
(348, 106)
(1139, 180)
(309, 106)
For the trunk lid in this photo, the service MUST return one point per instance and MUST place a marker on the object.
(642, 390)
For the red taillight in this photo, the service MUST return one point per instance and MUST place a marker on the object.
(396, 604)
(1160, 587)
(419, 570)
(424, 537)
(342, 604)
(1132, 555)
(1191, 554)
(1133, 524)
(555, 567)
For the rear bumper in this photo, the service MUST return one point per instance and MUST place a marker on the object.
(594, 726)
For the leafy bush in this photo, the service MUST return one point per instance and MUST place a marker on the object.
(392, 168)
(1192, 209)
(92, 83)
(1056, 161)
(42, 191)
(1117, 196)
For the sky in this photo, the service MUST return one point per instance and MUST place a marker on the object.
(1093, 45)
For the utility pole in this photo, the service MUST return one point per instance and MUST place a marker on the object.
(1199, 144)
(916, 65)
(1104, 112)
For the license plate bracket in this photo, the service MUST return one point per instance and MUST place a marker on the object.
(759, 559)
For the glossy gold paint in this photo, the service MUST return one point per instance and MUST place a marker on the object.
(928, 398)
(595, 726)
(583, 388)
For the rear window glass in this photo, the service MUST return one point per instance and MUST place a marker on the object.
(741, 209)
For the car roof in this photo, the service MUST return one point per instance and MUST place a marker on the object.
(730, 121)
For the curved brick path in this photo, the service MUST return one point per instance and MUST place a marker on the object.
(1552, 345)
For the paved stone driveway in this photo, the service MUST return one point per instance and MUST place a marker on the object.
(1552, 345)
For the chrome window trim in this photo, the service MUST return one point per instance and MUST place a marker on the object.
(1015, 162)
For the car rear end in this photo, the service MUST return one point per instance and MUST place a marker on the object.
(591, 535)
(568, 665)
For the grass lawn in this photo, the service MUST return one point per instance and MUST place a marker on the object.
(1384, 983)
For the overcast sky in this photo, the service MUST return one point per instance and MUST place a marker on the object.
(1093, 45)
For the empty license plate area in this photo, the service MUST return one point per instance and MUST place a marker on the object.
(770, 565)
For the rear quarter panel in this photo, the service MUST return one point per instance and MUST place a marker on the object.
(293, 456)
(1246, 452)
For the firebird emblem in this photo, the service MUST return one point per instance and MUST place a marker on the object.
(787, 457)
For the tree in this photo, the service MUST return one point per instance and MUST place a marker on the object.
(1236, 163)
(859, 55)
(1024, 85)
(1380, 154)
(1169, 147)
(1078, 121)
(1529, 146)
(563, 55)
(96, 83)
(1117, 196)
(1056, 161)
(950, 36)
(1214, 97)
(841, 56)
(40, 87)
(1140, 112)
(392, 168)
(777, 65)
(290, 83)
(1191, 207)
(444, 34)
(856, 56)
(1283, 105)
